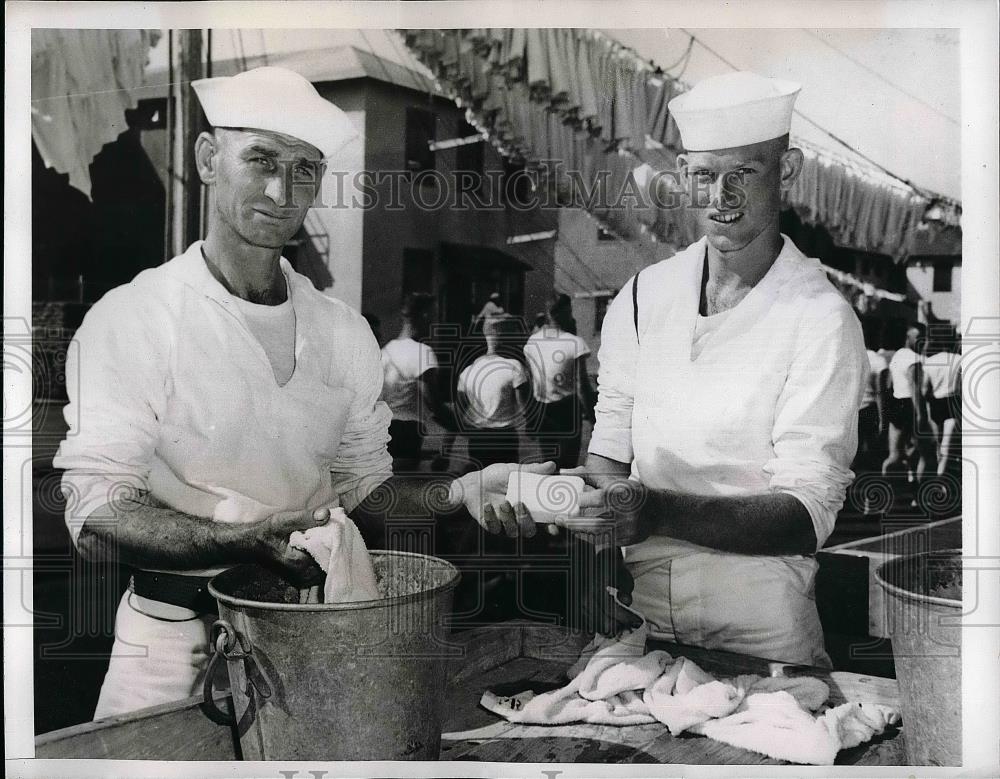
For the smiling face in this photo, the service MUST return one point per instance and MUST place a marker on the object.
(736, 193)
(264, 182)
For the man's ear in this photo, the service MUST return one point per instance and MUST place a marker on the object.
(790, 166)
(206, 149)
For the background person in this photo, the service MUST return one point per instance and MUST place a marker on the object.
(493, 392)
(911, 443)
(942, 390)
(410, 387)
(871, 417)
(557, 359)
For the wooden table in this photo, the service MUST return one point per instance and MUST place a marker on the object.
(507, 658)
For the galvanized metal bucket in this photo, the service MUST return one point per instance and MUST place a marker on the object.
(926, 634)
(335, 681)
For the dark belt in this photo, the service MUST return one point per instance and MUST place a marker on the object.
(188, 592)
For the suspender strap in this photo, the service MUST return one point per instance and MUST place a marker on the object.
(635, 305)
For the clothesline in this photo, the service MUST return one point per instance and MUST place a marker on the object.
(578, 97)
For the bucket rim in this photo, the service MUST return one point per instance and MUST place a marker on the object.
(905, 594)
(234, 602)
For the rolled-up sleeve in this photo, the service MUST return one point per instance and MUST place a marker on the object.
(815, 425)
(115, 380)
(617, 357)
(363, 460)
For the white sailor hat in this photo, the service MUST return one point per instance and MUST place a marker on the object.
(279, 100)
(735, 109)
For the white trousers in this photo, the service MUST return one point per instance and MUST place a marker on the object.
(153, 661)
(748, 604)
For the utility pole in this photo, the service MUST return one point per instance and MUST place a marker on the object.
(188, 120)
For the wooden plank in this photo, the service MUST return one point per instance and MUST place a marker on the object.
(172, 731)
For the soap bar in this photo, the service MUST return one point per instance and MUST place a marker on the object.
(546, 497)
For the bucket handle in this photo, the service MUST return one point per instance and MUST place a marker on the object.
(224, 645)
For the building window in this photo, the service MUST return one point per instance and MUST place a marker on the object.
(942, 276)
(418, 271)
(419, 134)
(468, 156)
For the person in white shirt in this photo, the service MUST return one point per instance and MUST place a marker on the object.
(493, 392)
(557, 359)
(911, 443)
(942, 391)
(219, 402)
(410, 384)
(871, 417)
(730, 381)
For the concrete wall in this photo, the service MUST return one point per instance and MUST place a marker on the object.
(944, 305)
(587, 268)
(388, 232)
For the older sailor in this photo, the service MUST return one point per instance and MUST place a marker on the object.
(219, 402)
(730, 381)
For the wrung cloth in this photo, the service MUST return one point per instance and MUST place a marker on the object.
(615, 682)
(338, 548)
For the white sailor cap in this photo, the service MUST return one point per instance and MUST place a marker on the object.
(735, 109)
(279, 100)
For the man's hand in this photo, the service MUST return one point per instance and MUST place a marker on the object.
(271, 539)
(598, 570)
(484, 495)
(611, 512)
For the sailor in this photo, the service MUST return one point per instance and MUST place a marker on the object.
(730, 380)
(219, 402)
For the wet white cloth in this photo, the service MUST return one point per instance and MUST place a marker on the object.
(616, 683)
(490, 386)
(769, 405)
(404, 361)
(899, 369)
(338, 548)
(551, 354)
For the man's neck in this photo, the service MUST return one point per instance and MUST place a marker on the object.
(252, 273)
(748, 265)
(729, 276)
(408, 331)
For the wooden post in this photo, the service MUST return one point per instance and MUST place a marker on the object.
(192, 123)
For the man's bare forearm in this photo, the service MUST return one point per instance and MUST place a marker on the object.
(771, 523)
(399, 497)
(145, 533)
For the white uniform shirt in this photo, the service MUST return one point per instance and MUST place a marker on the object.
(876, 364)
(404, 361)
(551, 354)
(899, 370)
(170, 391)
(770, 404)
(942, 371)
(490, 384)
(274, 329)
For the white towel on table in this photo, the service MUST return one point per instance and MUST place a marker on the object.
(338, 548)
(619, 685)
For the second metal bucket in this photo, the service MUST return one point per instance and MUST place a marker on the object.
(337, 681)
